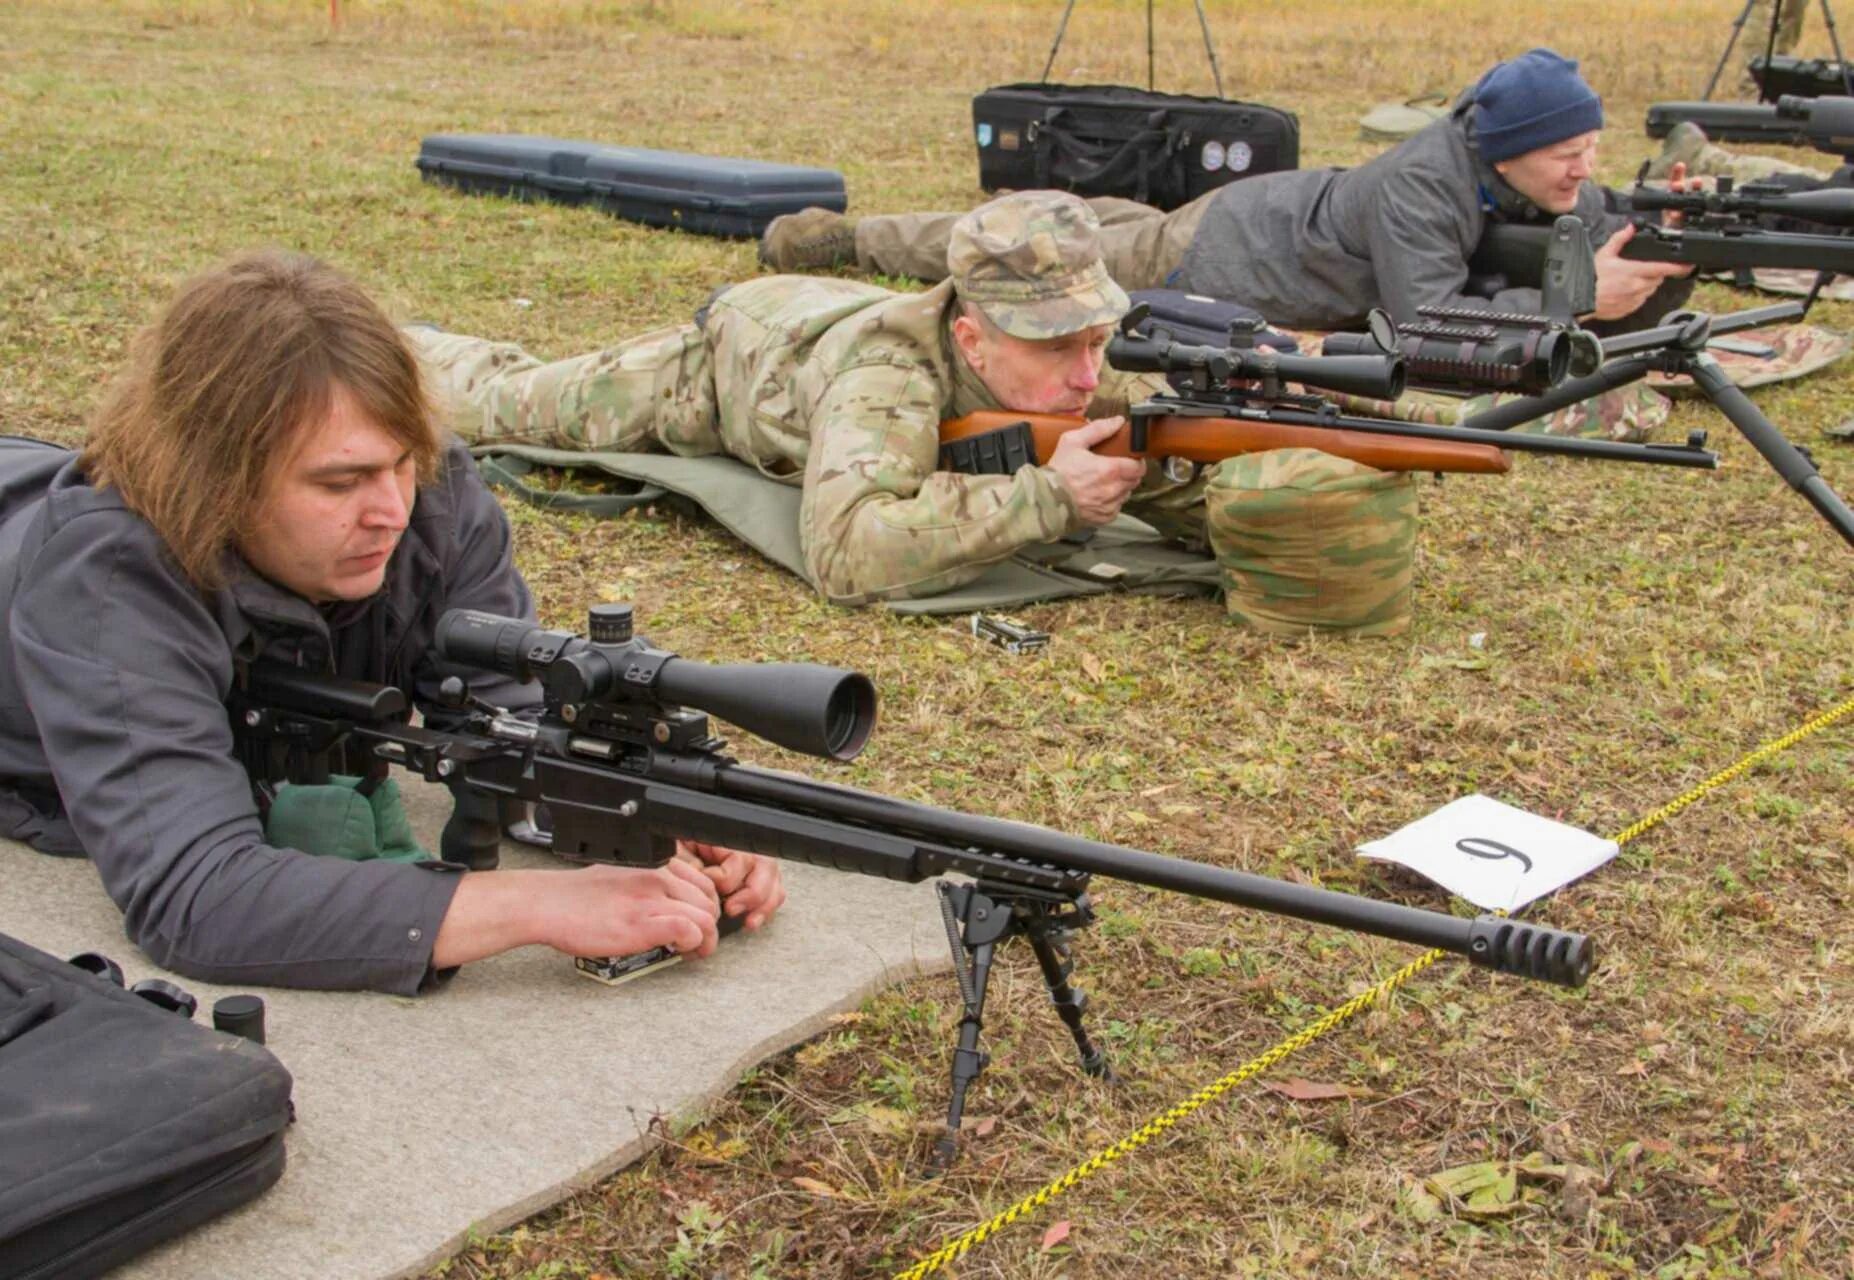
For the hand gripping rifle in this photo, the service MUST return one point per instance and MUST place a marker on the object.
(1237, 399)
(624, 757)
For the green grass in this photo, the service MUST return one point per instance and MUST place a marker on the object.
(1643, 629)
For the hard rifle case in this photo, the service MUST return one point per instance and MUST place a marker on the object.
(1162, 149)
(710, 195)
(1799, 77)
(121, 1123)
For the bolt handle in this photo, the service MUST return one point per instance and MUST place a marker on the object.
(1531, 950)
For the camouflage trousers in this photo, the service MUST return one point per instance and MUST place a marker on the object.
(1715, 161)
(652, 393)
(1142, 246)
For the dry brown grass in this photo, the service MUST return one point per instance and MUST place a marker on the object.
(1643, 630)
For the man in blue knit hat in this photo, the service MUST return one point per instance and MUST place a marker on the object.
(1319, 248)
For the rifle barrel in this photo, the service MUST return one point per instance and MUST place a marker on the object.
(1541, 953)
(1562, 446)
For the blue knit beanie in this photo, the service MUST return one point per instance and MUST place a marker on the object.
(1530, 102)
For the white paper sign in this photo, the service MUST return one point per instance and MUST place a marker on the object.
(1495, 856)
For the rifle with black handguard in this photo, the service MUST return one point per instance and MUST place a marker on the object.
(1825, 123)
(623, 755)
(1722, 230)
(1242, 398)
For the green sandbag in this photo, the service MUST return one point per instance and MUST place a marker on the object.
(334, 820)
(1311, 542)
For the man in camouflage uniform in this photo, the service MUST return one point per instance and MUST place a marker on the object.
(841, 387)
(1320, 248)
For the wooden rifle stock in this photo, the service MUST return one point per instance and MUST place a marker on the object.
(1209, 440)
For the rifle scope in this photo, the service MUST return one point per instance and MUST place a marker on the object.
(1829, 122)
(1831, 208)
(821, 711)
(1466, 348)
(1377, 375)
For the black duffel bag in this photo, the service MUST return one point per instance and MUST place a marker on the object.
(1162, 149)
(122, 1123)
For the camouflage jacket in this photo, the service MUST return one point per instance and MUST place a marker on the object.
(845, 385)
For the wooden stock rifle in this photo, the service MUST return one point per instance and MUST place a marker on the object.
(1236, 399)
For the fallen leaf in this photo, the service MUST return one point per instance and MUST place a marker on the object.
(1636, 1068)
(1484, 1190)
(984, 1127)
(1055, 1235)
(817, 1188)
(1092, 666)
(703, 1147)
(1419, 1204)
(1313, 1090)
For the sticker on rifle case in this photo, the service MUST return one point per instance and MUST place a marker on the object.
(1008, 140)
(984, 134)
(1212, 156)
(1238, 157)
(1495, 856)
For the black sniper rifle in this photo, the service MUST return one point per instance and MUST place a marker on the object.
(623, 756)
(1827, 123)
(1722, 230)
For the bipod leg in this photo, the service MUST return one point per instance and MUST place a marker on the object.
(1788, 460)
(1050, 942)
(975, 924)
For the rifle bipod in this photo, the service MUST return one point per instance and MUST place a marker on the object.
(1679, 348)
(979, 916)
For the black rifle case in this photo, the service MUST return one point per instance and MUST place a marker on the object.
(1800, 77)
(122, 1124)
(1162, 149)
(711, 195)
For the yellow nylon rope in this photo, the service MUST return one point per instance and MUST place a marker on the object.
(958, 1248)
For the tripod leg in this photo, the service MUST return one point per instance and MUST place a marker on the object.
(1052, 953)
(1834, 42)
(1738, 27)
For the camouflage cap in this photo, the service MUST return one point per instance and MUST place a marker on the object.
(1032, 263)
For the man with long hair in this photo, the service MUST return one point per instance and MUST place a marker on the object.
(266, 480)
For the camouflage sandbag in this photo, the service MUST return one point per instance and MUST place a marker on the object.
(1774, 353)
(1307, 541)
(1794, 281)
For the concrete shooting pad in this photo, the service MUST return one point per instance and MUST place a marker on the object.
(419, 1120)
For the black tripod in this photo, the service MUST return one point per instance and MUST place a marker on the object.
(1770, 47)
(1216, 72)
(1680, 348)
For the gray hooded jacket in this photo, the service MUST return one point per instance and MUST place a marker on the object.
(1319, 248)
(115, 741)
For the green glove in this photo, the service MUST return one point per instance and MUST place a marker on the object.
(335, 820)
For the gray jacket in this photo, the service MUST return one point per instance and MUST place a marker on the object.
(1319, 248)
(114, 737)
